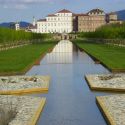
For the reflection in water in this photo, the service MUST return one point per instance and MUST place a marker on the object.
(69, 101)
(62, 53)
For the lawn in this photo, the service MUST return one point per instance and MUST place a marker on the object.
(111, 56)
(19, 60)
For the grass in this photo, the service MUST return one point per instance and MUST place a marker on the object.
(18, 60)
(111, 56)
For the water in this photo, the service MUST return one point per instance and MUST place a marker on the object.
(69, 101)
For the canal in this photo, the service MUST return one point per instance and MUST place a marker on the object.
(69, 101)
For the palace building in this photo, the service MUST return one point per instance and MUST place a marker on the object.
(91, 21)
(65, 21)
(60, 22)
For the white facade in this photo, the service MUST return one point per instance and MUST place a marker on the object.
(34, 30)
(17, 26)
(61, 22)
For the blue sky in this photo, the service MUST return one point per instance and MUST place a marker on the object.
(18, 10)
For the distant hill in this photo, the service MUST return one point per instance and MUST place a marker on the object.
(7, 24)
(121, 14)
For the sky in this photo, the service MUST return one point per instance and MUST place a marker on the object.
(24, 10)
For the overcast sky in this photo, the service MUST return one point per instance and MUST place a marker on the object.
(24, 10)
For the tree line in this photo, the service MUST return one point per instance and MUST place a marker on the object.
(10, 35)
(110, 31)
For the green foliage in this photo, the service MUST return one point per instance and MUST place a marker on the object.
(10, 36)
(111, 31)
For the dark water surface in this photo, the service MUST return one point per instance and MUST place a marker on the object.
(69, 101)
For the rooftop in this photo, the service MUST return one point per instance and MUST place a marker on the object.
(96, 11)
(64, 11)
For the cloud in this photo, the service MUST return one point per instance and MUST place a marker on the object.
(15, 6)
(22, 1)
(21, 4)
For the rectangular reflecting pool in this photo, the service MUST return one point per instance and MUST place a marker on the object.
(69, 101)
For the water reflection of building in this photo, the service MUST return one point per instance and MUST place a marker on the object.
(62, 53)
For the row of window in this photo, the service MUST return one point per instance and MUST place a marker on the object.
(64, 14)
(96, 13)
(55, 24)
(58, 19)
(54, 30)
(90, 18)
(91, 24)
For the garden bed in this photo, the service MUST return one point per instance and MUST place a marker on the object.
(107, 82)
(24, 84)
(113, 108)
(26, 108)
